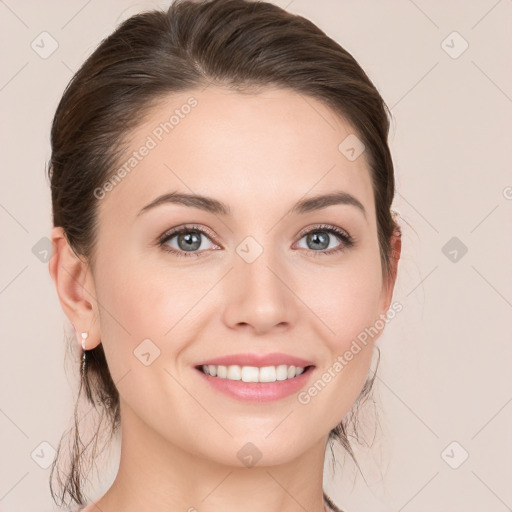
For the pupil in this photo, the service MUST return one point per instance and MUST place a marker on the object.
(192, 241)
(320, 238)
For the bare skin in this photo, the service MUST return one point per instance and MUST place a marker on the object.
(259, 154)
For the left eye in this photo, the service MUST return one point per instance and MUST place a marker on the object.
(189, 241)
(320, 238)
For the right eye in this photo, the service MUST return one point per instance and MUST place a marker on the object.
(188, 241)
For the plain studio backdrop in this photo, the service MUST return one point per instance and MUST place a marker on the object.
(443, 389)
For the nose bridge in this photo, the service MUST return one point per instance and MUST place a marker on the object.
(261, 275)
(259, 293)
(259, 268)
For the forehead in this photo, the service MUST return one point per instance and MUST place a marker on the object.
(271, 146)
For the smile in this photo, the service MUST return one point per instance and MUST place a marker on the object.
(253, 373)
(256, 384)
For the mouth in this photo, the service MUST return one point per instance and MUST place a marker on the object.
(256, 378)
(256, 384)
(256, 374)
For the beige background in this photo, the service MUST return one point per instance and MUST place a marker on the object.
(445, 367)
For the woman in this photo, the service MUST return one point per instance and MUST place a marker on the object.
(221, 189)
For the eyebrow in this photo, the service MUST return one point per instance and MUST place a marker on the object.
(216, 207)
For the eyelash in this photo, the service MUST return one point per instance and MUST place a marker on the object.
(347, 240)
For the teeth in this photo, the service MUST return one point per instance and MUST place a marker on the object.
(253, 373)
(268, 374)
(250, 374)
(234, 372)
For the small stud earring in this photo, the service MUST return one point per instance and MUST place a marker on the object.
(84, 337)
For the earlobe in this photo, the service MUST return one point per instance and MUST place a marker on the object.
(74, 286)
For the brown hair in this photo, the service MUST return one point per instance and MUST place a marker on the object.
(240, 44)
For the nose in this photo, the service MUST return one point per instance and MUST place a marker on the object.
(259, 296)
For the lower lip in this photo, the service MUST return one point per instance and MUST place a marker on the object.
(258, 391)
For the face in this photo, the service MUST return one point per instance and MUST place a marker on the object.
(244, 274)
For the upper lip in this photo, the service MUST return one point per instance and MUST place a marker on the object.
(273, 359)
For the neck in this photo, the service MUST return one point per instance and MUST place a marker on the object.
(155, 474)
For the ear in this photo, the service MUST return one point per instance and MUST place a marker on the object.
(75, 287)
(389, 281)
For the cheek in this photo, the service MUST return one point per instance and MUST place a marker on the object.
(143, 302)
(130, 311)
(345, 300)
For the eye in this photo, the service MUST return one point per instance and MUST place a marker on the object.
(320, 239)
(188, 241)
